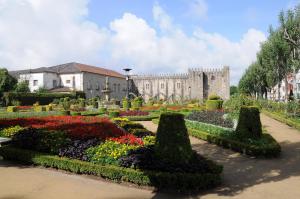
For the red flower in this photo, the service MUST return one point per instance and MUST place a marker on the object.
(75, 126)
(128, 139)
(133, 113)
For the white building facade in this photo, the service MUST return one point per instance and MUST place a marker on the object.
(74, 77)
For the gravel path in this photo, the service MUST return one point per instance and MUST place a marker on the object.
(244, 177)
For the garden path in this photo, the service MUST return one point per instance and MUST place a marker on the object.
(244, 177)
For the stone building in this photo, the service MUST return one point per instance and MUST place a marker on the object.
(74, 77)
(198, 84)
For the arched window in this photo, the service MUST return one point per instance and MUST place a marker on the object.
(162, 85)
(213, 77)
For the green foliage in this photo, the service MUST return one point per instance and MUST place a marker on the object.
(49, 107)
(249, 125)
(142, 117)
(7, 82)
(11, 109)
(15, 103)
(52, 141)
(42, 90)
(233, 90)
(22, 87)
(214, 97)
(137, 103)
(294, 122)
(11, 131)
(266, 147)
(126, 103)
(212, 105)
(149, 140)
(172, 140)
(113, 113)
(108, 152)
(66, 104)
(234, 104)
(39, 108)
(161, 180)
(75, 113)
(65, 112)
(42, 98)
(9, 115)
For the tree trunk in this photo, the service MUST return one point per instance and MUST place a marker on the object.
(286, 89)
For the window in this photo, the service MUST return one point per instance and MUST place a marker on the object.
(115, 87)
(147, 86)
(178, 85)
(119, 87)
(89, 85)
(68, 81)
(213, 77)
(35, 82)
(73, 81)
(162, 85)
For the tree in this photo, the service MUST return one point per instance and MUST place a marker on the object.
(7, 82)
(233, 90)
(22, 87)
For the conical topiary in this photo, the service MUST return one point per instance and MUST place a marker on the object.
(172, 140)
(249, 125)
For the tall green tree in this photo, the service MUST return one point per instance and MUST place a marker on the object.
(7, 82)
(22, 87)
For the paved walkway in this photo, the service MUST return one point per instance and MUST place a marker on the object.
(244, 177)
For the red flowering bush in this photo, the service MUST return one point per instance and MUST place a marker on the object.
(133, 113)
(74, 126)
(128, 139)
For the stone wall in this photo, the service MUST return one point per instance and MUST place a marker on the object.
(196, 84)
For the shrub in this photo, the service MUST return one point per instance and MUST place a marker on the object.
(140, 132)
(64, 112)
(133, 113)
(39, 108)
(126, 104)
(172, 140)
(76, 148)
(249, 125)
(11, 109)
(102, 110)
(11, 131)
(108, 152)
(114, 113)
(212, 105)
(75, 113)
(236, 101)
(211, 117)
(27, 139)
(49, 107)
(15, 103)
(51, 141)
(43, 98)
(214, 97)
(149, 140)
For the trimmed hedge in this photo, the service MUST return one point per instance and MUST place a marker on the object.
(113, 113)
(212, 105)
(11, 109)
(172, 142)
(281, 118)
(272, 149)
(42, 98)
(161, 180)
(249, 125)
(39, 108)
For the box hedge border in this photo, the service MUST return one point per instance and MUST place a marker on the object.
(282, 119)
(42, 98)
(180, 182)
(269, 151)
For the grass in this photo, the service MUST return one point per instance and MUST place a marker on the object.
(8, 115)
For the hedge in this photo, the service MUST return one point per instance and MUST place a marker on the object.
(42, 98)
(161, 180)
(272, 149)
(212, 105)
(281, 118)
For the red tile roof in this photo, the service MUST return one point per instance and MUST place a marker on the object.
(98, 70)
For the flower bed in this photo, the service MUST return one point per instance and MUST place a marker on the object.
(211, 117)
(75, 126)
(266, 146)
(120, 151)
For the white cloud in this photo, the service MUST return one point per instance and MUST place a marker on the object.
(45, 32)
(198, 9)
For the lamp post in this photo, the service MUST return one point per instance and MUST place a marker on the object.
(127, 70)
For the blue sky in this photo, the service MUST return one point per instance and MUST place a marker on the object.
(150, 36)
(230, 18)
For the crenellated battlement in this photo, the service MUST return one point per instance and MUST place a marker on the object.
(161, 76)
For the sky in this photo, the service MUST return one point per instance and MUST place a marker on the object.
(149, 36)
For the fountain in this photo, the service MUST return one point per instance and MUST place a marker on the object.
(106, 90)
